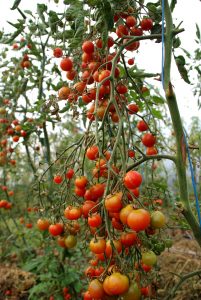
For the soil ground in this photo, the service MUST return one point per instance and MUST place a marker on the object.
(183, 257)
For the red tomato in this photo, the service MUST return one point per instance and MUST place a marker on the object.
(88, 206)
(132, 179)
(131, 61)
(121, 88)
(56, 229)
(142, 125)
(131, 21)
(148, 140)
(70, 173)
(92, 152)
(121, 31)
(66, 64)
(146, 24)
(88, 47)
(133, 108)
(57, 52)
(58, 179)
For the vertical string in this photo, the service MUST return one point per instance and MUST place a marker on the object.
(163, 40)
(193, 180)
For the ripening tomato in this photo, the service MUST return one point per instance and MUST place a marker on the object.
(138, 219)
(151, 151)
(149, 258)
(132, 179)
(146, 24)
(64, 93)
(113, 203)
(104, 74)
(133, 108)
(16, 138)
(57, 52)
(72, 212)
(128, 239)
(61, 241)
(95, 289)
(92, 152)
(87, 296)
(158, 201)
(58, 179)
(56, 229)
(66, 64)
(97, 246)
(142, 125)
(124, 212)
(70, 173)
(95, 220)
(116, 284)
(109, 249)
(43, 224)
(81, 182)
(157, 219)
(88, 47)
(148, 140)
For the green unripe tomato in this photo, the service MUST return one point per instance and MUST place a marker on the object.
(70, 241)
(149, 258)
(157, 219)
(168, 243)
(133, 292)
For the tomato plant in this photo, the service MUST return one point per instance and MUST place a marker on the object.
(76, 106)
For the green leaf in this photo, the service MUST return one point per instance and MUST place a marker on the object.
(53, 21)
(197, 31)
(180, 62)
(157, 100)
(172, 5)
(156, 113)
(16, 25)
(41, 8)
(13, 36)
(176, 42)
(15, 4)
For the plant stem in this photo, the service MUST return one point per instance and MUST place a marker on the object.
(181, 163)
